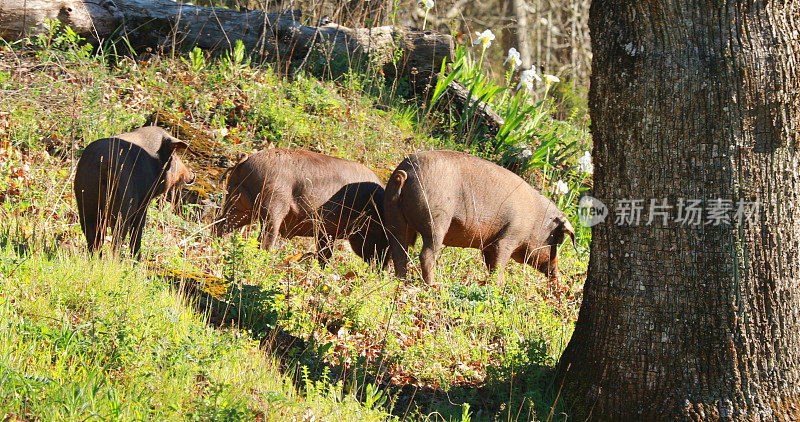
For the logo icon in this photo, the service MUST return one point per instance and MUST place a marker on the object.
(591, 211)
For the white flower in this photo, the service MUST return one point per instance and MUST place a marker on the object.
(513, 57)
(485, 38)
(561, 187)
(527, 78)
(524, 151)
(585, 162)
(551, 79)
(425, 4)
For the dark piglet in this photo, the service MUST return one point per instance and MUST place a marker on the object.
(117, 177)
(454, 199)
(303, 193)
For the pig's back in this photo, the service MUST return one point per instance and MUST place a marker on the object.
(469, 180)
(113, 160)
(480, 199)
(312, 178)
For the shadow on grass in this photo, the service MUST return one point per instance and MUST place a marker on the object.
(521, 389)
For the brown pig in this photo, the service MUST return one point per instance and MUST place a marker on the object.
(303, 193)
(117, 177)
(454, 199)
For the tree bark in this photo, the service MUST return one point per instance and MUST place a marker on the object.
(693, 100)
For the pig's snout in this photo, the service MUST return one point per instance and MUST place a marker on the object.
(179, 172)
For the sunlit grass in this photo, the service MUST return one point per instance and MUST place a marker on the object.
(100, 338)
(88, 337)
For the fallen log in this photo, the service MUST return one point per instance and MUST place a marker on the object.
(91, 19)
(279, 37)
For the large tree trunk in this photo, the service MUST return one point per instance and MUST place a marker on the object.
(693, 100)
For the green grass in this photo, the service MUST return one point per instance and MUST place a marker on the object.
(85, 338)
(101, 339)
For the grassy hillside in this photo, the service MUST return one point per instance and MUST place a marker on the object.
(216, 329)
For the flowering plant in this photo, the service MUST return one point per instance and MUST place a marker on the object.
(485, 38)
(514, 58)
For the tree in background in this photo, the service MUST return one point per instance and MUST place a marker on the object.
(552, 34)
(693, 321)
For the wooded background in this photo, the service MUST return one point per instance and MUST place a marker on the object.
(552, 34)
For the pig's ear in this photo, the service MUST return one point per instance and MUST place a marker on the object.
(175, 144)
(178, 145)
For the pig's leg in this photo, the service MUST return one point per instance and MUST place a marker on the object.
(121, 218)
(137, 229)
(431, 245)
(324, 249)
(399, 256)
(401, 238)
(119, 228)
(271, 227)
(550, 266)
(400, 242)
(496, 258)
(90, 224)
(92, 235)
